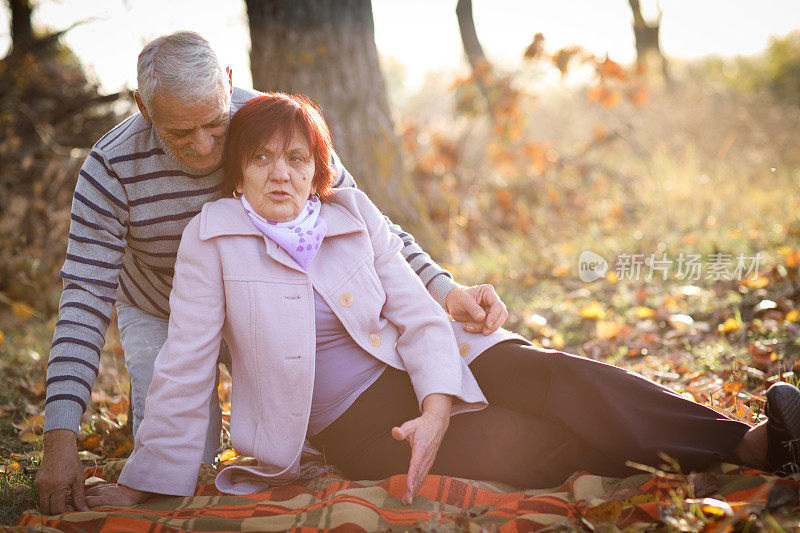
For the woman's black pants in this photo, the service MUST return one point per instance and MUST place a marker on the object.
(550, 413)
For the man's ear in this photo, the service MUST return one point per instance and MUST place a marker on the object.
(141, 106)
(229, 71)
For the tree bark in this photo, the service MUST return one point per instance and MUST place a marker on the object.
(325, 49)
(481, 68)
(647, 39)
(22, 37)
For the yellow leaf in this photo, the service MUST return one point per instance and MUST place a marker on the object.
(793, 259)
(729, 325)
(29, 436)
(592, 310)
(92, 442)
(22, 310)
(33, 423)
(793, 316)
(645, 312)
(119, 408)
(228, 455)
(13, 468)
(1, 337)
(606, 330)
(605, 512)
(756, 283)
(612, 276)
(557, 341)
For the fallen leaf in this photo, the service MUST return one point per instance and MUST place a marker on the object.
(228, 455)
(592, 310)
(793, 316)
(729, 325)
(680, 321)
(88, 456)
(793, 259)
(22, 310)
(92, 442)
(32, 423)
(645, 312)
(605, 329)
(756, 283)
(556, 340)
(24, 456)
(13, 468)
(29, 436)
(119, 408)
(605, 512)
(125, 448)
(764, 305)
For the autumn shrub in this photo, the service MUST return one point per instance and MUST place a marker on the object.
(776, 70)
(50, 117)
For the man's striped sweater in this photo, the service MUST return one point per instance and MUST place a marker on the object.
(132, 201)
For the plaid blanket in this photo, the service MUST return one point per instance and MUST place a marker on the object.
(332, 503)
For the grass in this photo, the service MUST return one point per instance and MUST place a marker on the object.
(24, 349)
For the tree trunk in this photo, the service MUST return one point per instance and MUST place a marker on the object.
(481, 68)
(21, 29)
(325, 49)
(647, 39)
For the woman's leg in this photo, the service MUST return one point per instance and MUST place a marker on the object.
(494, 444)
(614, 411)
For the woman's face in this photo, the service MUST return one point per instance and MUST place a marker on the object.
(277, 182)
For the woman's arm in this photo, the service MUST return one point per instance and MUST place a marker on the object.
(170, 440)
(425, 344)
(424, 434)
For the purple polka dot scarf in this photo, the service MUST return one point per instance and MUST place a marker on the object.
(301, 238)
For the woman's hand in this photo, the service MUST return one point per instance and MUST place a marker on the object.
(424, 434)
(114, 495)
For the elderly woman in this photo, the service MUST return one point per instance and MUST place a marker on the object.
(334, 339)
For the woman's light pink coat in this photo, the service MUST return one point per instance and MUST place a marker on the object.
(232, 282)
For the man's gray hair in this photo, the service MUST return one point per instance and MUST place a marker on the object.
(181, 64)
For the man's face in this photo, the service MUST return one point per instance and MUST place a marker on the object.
(194, 132)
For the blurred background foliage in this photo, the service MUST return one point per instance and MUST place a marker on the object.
(776, 70)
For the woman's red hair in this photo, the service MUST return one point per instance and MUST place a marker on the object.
(263, 117)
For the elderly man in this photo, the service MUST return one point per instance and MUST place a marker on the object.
(141, 184)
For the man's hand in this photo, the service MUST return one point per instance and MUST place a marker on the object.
(60, 478)
(478, 307)
(114, 495)
(424, 434)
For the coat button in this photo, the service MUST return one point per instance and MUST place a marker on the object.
(346, 299)
(464, 348)
(375, 340)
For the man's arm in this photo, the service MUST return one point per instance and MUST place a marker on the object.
(479, 307)
(437, 280)
(99, 218)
